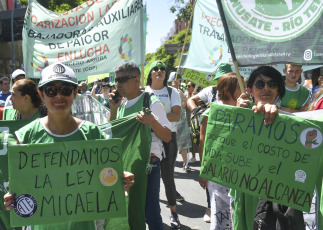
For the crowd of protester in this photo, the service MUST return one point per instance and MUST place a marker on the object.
(170, 102)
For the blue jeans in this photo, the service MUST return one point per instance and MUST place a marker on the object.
(153, 217)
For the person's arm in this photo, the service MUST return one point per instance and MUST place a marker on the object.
(192, 102)
(113, 106)
(202, 181)
(183, 98)
(94, 90)
(161, 132)
(175, 114)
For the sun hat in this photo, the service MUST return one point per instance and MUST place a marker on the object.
(222, 69)
(172, 76)
(156, 63)
(16, 73)
(57, 72)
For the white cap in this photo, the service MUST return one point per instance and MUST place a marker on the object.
(57, 72)
(16, 73)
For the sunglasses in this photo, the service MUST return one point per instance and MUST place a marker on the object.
(188, 86)
(65, 90)
(261, 84)
(159, 68)
(124, 79)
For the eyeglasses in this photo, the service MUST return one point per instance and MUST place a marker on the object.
(260, 84)
(65, 90)
(160, 68)
(124, 79)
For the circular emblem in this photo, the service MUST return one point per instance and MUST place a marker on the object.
(279, 21)
(216, 55)
(311, 138)
(59, 68)
(25, 205)
(125, 51)
(108, 176)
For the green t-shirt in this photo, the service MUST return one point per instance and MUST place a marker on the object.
(9, 113)
(295, 97)
(34, 133)
(137, 107)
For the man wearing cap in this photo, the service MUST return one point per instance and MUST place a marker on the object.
(15, 76)
(128, 82)
(208, 95)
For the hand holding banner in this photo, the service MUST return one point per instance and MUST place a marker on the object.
(278, 162)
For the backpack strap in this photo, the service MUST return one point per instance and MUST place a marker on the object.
(213, 93)
(169, 89)
(147, 96)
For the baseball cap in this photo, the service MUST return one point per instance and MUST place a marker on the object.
(222, 69)
(57, 72)
(156, 63)
(16, 73)
(172, 76)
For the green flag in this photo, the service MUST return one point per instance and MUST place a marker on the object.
(277, 31)
(136, 142)
(66, 182)
(7, 129)
(203, 79)
(278, 162)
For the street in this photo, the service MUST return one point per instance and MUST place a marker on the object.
(192, 210)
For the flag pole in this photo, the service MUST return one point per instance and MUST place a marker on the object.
(229, 42)
(188, 27)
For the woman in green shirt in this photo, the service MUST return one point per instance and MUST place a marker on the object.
(58, 89)
(26, 102)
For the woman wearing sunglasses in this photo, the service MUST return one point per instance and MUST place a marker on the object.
(265, 87)
(57, 90)
(157, 84)
(26, 102)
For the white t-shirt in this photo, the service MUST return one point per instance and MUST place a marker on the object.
(206, 95)
(168, 103)
(158, 110)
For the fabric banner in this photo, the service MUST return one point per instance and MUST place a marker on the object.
(208, 46)
(278, 162)
(87, 108)
(136, 142)
(92, 38)
(276, 31)
(7, 129)
(203, 79)
(66, 182)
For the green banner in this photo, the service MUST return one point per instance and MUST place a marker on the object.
(278, 162)
(92, 38)
(7, 129)
(203, 79)
(66, 181)
(136, 142)
(278, 31)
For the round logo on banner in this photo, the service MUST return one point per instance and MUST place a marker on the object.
(278, 20)
(25, 206)
(125, 48)
(311, 138)
(108, 176)
(216, 55)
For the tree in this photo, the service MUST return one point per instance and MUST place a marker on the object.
(59, 6)
(184, 10)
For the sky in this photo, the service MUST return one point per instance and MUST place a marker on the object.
(160, 22)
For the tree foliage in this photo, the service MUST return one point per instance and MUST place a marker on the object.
(59, 6)
(171, 60)
(183, 10)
